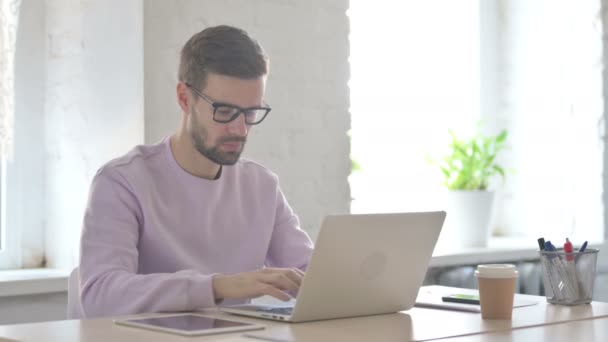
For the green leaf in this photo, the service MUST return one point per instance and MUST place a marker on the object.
(499, 169)
(471, 163)
(502, 136)
(445, 172)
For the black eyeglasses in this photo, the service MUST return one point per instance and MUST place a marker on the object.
(224, 112)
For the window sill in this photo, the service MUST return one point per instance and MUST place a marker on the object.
(33, 281)
(500, 249)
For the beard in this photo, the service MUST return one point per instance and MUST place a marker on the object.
(200, 134)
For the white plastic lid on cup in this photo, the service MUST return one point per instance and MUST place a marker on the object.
(496, 271)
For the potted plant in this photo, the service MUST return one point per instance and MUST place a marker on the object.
(467, 170)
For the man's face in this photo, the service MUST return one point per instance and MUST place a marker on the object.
(223, 143)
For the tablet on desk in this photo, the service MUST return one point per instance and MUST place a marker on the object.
(189, 325)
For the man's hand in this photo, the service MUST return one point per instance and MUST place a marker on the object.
(274, 282)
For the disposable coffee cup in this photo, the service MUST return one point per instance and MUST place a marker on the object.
(496, 290)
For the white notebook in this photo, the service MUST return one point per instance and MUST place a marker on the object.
(430, 297)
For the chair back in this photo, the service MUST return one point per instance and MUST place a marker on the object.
(74, 306)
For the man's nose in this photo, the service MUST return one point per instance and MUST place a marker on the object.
(238, 126)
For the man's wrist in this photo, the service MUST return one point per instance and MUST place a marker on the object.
(215, 286)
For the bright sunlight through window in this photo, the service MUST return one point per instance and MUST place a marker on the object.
(420, 68)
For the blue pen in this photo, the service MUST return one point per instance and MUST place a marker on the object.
(580, 251)
(541, 244)
(583, 247)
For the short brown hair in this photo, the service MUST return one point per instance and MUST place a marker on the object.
(223, 50)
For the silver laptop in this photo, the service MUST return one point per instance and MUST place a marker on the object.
(362, 265)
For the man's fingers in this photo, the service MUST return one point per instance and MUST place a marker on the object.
(279, 280)
(294, 274)
(269, 290)
(275, 282)
(298, 271)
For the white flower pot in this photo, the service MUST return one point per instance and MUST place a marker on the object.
(468, 217)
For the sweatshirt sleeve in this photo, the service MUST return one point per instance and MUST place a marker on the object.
(290, 246)
(109, 283)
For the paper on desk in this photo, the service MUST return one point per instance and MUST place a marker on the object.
(430, 297)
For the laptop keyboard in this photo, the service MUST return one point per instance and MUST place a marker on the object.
(279, 311)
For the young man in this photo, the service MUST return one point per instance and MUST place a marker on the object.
(184, 224)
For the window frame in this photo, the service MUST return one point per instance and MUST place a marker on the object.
(10, 239)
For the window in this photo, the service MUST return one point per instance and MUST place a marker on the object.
(414, 74)
(551, 99)
(23, 183)
(9, 12)
(67, 103)
(421, 68)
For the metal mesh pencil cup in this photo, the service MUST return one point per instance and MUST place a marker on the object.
(569, 277)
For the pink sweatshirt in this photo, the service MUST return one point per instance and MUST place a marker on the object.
(155, 235)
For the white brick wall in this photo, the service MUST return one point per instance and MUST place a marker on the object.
(304, 139)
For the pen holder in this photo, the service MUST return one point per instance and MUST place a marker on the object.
(569, 277)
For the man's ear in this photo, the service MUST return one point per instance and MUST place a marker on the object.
(182, 97)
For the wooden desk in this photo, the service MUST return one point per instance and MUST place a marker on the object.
(381, 328)
(421, 324)
(583, 331)
(529, 323)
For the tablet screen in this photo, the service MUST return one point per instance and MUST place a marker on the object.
(190, 324)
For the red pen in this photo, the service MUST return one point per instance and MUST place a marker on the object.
(568, 249)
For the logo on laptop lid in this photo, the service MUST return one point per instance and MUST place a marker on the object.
(373, 265)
